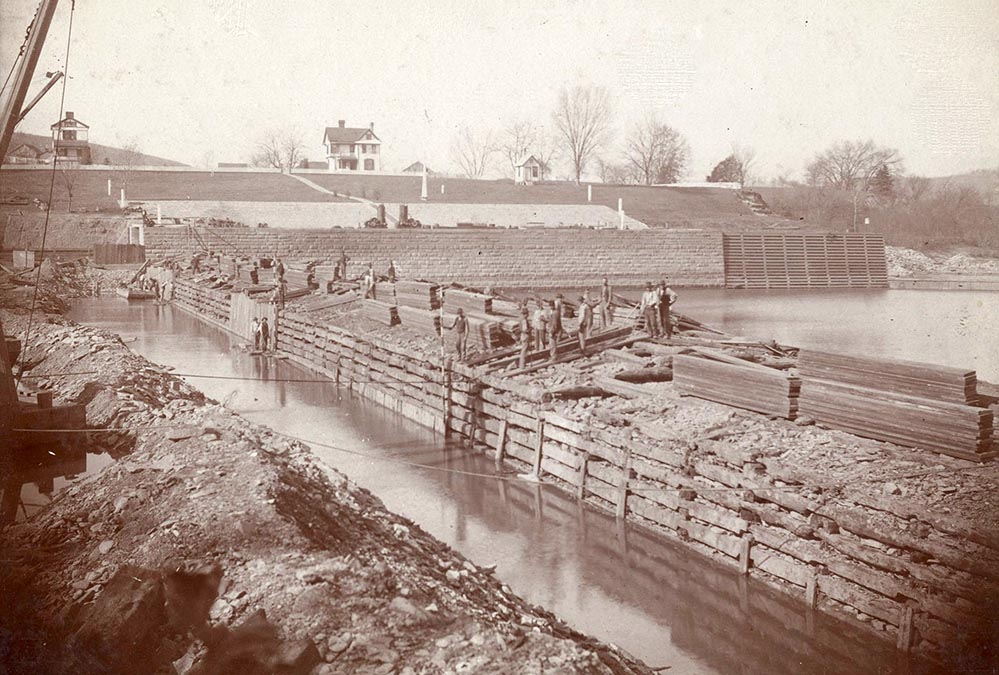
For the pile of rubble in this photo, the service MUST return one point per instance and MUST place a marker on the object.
(905, 262)
(217, 542)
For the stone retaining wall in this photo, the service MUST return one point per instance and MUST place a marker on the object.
(522, 258)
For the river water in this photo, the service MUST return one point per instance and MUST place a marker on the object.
(654, 598)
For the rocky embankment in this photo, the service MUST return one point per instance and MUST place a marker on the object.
(214, 544)
(906, 262)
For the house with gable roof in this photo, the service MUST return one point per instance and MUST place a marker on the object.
(70, 142)
(529, 171)
(352, 148)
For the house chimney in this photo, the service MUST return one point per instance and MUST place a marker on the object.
(342, 123)
(69, 115)
(372, 126)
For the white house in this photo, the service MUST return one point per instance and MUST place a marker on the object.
(531, 170)
(352, 148)
(69, 137)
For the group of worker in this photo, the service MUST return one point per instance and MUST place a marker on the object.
(654, 309)
(261, 334)
(543, 328)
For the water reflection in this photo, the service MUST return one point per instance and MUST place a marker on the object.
(656, 599)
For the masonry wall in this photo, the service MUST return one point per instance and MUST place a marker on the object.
(521, 258)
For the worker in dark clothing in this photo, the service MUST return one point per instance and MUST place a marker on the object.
(585, 323)
(554, 329)
(392, 271)
(254, 275)
(525, 335)
(606, 315)
(558, 311)
(265, 334)
(460, 328)
(280, 269)
(667, 296)
(340, 272)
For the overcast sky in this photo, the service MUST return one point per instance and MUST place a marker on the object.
(199, 80)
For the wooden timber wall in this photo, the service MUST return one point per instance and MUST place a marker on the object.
(804, 260)
(912, 580)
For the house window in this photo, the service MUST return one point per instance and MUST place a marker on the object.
(374, 149)
(353, 148)
(369, 165)
(69, 135)
(534, 171)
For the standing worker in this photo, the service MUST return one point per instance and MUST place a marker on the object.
(585, 322)
(606, 315)
(255, 331)
(393, 271)
(558, 310)
(280, 269)
(265, 334)
(540, 326)
(667, 296)
(649, 309)
(340, 270)
(554, 328)
(460, 328)
(525, 335)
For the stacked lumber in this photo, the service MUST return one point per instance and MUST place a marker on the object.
(480, 303)
(298, 278)
(423, 320)
(419, 294)
(382, 312)
(483, 334)
(744, 385)
(903, 402)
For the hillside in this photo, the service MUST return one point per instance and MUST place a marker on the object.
(985, 181)
(102, 154)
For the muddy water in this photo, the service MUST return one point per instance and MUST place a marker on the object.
(654, 598)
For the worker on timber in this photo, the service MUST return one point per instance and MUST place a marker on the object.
(540, 326)
(649, 309)
(265, 334)
(280, 269)
(460, 328)
(667, 296)
(282, 292)
(369, 282)
(558, 311)
(525, 334)
(393, 271)
(606, 315)
(585, 314)
(196, 263)
(340, 271)
(255, 331)
(255, 275)
(554, 328)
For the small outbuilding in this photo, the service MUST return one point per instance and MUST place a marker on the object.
(529, 171)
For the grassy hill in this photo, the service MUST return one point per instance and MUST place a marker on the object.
(101, 154)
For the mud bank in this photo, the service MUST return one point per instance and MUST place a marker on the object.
(119, 573)
(901, 542)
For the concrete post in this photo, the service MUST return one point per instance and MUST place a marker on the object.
(620, 210)
(109, 187)
(423, 188)
(121, 201)
(589, 193)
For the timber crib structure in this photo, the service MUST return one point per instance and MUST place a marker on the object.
(927, 585)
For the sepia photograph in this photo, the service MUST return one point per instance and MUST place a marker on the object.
(500, 337)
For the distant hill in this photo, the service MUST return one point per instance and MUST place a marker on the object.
(101, 154)
(985, 181)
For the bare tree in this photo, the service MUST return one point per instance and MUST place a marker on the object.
(125, 163)
(614, 174)
(850, 165)
(279, 150)
(546, 150)
(69, 175)
(655, 152)
(472, 150)
(745, 157)
(516, 143)
(582, 118)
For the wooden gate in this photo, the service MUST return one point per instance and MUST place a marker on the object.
(804, 260)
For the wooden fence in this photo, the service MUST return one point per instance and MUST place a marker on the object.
(803, 260)
(118, 254)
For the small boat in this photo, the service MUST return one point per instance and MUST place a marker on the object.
(135, 294)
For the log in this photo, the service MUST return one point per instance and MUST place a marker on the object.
(642, 375)
(575, 393)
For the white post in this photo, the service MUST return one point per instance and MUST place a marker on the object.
(589, 193)
(109, 187)
(159, 215)
(423, 189)
(121, 201)
(620, 210)
(442, 188)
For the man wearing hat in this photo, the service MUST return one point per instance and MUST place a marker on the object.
(649, 308)
(667, 296)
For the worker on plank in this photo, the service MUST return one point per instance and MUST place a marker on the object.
(648, 309)
(540, 326)
(667, 296)
(554, 329)
(460, 328)
(525, 334)
(606, 313)
(585, 322)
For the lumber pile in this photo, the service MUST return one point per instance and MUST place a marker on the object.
(911, 404)
(422, 320)
(382, 312)
(479, 303)
(744, 385)
(419, 294)
(298, 278)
